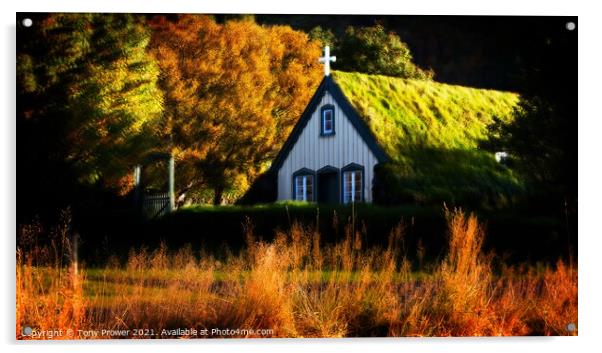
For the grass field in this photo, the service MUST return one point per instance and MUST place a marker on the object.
(293, 286)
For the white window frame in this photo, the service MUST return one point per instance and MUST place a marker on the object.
(331, 130)
(352, 193)
(303, 194)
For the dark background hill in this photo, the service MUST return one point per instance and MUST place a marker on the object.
(479, 51)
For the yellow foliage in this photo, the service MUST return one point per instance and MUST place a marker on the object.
(233, 92)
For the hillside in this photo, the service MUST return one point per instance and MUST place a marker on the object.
(432, 132)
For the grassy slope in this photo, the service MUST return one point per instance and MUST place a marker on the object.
(406, 113)
(432, 132)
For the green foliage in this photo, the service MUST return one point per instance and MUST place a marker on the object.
(372, 50)
(324, 36)
(542, 149)
(468, 178)
(541, 139)
(532, 139)
(89, 77)
(432, 132)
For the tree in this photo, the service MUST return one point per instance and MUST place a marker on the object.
(541, 140)
(325, 36)
(87, 98)
(535, 140)
(233, 92)
(372, 50)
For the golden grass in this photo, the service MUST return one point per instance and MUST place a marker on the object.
(298, 287)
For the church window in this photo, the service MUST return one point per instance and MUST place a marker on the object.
(327, 121)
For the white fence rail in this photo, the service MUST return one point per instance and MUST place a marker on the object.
(155, 205)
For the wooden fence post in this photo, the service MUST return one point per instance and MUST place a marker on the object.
(137, 186)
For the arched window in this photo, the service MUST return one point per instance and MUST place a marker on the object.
(327, 120)
(303, 185)
(352, 183)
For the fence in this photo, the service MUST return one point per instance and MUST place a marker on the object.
(155, 205)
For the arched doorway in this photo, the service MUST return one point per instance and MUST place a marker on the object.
(328, 185)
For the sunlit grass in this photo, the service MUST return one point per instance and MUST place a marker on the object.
(403, 112)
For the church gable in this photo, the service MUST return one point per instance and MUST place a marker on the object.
(328, 88)
(330, 154)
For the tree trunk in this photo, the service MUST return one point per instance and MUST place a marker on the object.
(217, 196)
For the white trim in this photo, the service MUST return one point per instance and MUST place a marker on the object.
(324, 130)
(352, 193)
(352, 186)
(302, 187)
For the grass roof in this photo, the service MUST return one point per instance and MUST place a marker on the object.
(432, 132)
(404, 113)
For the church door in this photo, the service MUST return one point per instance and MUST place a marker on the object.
(328, 187)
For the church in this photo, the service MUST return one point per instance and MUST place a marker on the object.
(356, 122)
(330, 155)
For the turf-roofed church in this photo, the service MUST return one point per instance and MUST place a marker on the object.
(331, 153)
(425, 133)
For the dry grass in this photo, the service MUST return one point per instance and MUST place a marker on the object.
(297, 287)
(50, 297)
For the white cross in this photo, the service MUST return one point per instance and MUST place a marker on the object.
(326, 59)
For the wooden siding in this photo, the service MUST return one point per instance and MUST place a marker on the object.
(313, 151)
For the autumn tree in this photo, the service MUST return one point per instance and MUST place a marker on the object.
(86, 99)
(232, 94)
